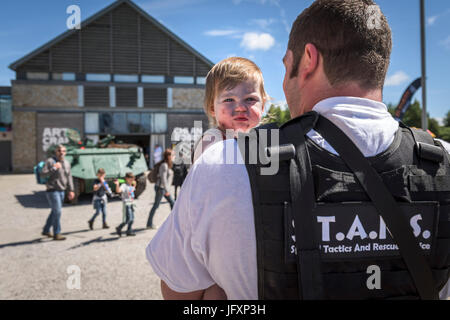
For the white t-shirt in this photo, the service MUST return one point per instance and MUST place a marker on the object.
(210, 235)
(127, 193)
(210, 137)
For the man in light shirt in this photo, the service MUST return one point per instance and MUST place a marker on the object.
(207, 246)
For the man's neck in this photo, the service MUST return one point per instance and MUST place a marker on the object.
(348, 90)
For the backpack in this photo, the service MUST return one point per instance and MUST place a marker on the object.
(153, 174)
(37, 172)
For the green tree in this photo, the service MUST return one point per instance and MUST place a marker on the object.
(277, 115)
(433, 126)
(447, 120)
(413, 118)
(444, 133)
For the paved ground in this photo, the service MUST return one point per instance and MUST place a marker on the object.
(34, 267)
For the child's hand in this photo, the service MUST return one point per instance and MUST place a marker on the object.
(116, 182)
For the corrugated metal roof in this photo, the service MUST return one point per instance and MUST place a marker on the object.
(98, 15)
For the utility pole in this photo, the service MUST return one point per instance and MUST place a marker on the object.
(424, 70)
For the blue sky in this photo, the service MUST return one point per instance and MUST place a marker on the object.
(255, 29)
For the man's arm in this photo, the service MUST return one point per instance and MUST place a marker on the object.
(212, 293)
(48, 168)
(69, 177)
(169, 294)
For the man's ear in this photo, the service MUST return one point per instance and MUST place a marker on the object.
(309, 61)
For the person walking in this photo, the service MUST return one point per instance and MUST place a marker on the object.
(127, 193)
(163, 181)
(57, 170)
(100, 198)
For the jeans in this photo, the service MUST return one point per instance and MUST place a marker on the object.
(159, 193)
(55, 200)
(129, 217)
(99, 205)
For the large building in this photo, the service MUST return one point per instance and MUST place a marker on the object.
(121, 73)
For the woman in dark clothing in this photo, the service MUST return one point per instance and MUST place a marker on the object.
(165, 175)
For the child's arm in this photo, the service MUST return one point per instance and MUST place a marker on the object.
(97, 186)
(117, 186)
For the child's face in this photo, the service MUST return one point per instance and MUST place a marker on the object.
(129, 180)
(101, 175)
(239, 108)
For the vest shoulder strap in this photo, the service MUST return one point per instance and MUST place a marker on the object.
(384, 202)
(425, 146)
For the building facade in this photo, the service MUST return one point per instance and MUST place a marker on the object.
(122, 73)
(5, 129)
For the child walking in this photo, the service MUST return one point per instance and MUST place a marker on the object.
(126, 190)
(101, 190)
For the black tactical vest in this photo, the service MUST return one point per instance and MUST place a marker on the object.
(346, 242)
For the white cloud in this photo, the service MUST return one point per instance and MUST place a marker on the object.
(257, 41)
(396, 79)
(432, 20)
(236, 2)
(275, 3)
(221, 33)
(446, 43)
(164, 5)
(262, 23)
(281, 103)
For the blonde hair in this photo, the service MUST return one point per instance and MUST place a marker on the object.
(227, 74)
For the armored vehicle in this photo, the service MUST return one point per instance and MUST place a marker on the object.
(117, 159)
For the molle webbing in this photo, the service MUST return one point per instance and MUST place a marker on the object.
(409, 175)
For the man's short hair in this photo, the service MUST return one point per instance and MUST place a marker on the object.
(101, 171)
(227, 74)
(353, 37)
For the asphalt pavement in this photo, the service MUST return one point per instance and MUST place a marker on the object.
(89, 264)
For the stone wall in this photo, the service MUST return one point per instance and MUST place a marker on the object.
(188, 98)
(35, 95)
(24, 141)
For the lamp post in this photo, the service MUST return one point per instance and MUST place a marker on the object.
(424, 70)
